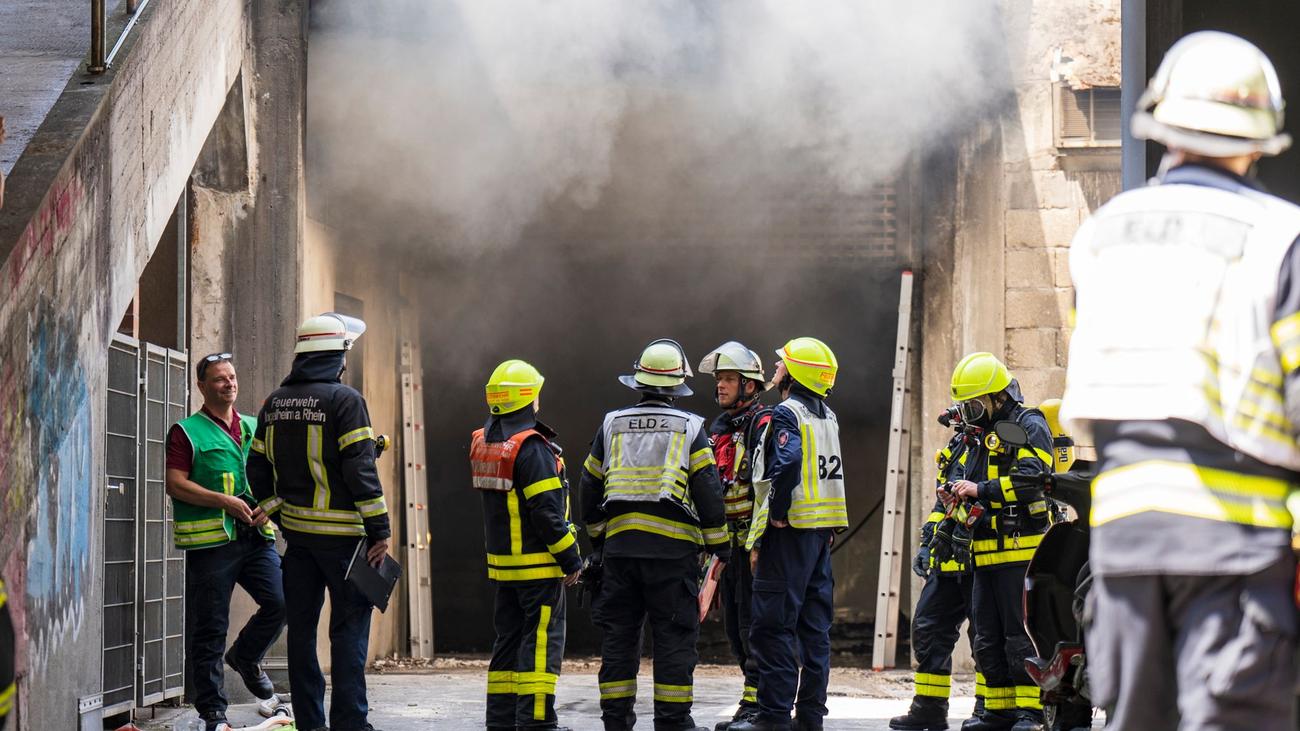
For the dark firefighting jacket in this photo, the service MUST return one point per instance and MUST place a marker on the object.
(312, 464)
(1015, 519)
(520, 472)
(734, 438)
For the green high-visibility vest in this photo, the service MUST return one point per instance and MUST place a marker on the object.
(218, 465)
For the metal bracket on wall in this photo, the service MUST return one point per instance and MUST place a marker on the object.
(419, 580)
(885, 647)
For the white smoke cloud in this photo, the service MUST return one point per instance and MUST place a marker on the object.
(470, 118)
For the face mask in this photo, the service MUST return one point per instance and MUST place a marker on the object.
(973, 410)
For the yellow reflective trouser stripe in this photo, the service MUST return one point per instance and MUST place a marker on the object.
(530, 574)
(355, 436)
(371, 508)
(701, 458)
(999, 699)
(541, 486)
(618, 689)
(257, 445)
(6, 700)
(596, 530)
(516, 528)
(562, 544)
(539, 665)
(980, 689)
(1191, 490)
(533, 683)
(501, 681)
(316, 465)
(329, 516)
(592, 465)
(271, 504)
(4, 595)
(321, 528)
(656, 525)
(673, 693)
(749, 694)
(1028, 696)
(933, 685)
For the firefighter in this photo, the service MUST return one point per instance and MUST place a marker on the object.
(1184, 371)
(532, 553)
(944, 602)
(312, 469)
(652, 503)
(1012, 525)
(800, 504)
(734, 434)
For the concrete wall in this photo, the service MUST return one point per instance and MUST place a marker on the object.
(1001, 206)
(86, 206)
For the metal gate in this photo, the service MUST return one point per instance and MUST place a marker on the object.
(144, 575)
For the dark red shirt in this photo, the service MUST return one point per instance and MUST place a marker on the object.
(180, 453)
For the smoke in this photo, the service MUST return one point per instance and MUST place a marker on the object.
(456, 124)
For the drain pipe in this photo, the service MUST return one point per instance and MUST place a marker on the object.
(98, 61)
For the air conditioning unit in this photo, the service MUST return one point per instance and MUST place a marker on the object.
(1086, 118)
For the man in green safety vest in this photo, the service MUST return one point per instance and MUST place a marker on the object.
(227, 539)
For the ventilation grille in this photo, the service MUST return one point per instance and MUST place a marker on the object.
(1088, 117)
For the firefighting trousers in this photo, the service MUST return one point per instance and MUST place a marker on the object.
(790, 636)
(1001, 644)
(737, 596)
(941, 608)
(525, 664)
(7, 649)
(1194, 652)
(665, 592)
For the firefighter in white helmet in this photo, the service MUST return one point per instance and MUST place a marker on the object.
(312, 469)
(652, 504)
(1185, 371)
(734, 436)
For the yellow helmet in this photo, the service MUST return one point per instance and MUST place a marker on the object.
(979, 374)
(661, 369)
(1214, 94)
(512, 386)
(810, 363)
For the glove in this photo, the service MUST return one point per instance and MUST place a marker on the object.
(921, 564)
(723, 553)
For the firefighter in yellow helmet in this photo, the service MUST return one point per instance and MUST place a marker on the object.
(652, 504)
(734, 436)
(1185, 372)
(532, 554)
(800, 504)
(1004, 538)
(312, 469)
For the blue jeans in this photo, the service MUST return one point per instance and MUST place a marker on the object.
(308, 573)
(210, 578)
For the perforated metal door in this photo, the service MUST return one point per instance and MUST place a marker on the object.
(122, 421)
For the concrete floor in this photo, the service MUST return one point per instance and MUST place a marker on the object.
(41, 43)
(451, 698)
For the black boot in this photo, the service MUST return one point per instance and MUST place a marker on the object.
(744, 713)
(1028, 720)
(926, 714)
(761, 723)
(254, 679)
(991, 721)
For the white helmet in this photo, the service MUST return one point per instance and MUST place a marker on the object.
(328, 331)
(1214, 94)
(732, 356)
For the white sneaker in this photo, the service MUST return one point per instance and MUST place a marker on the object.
(276, 705)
